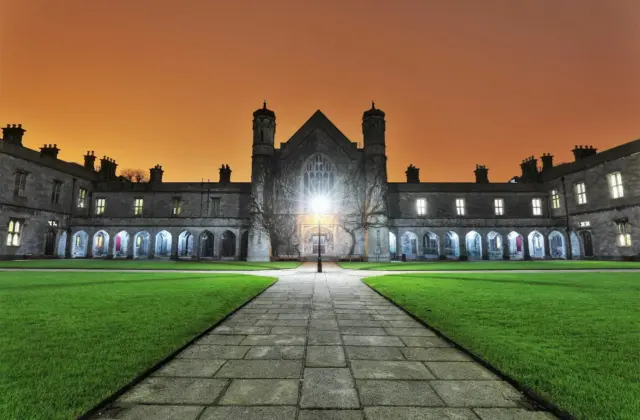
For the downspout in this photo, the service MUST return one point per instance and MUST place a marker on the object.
(566, 214)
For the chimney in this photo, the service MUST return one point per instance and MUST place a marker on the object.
(547, 161)
(529, 168)
(12, 134)
(50, 150)
(482, 174)
(581, 152)
(90, 160)
(108, 168)
(155, 174)
(413, 175)
(225, 174)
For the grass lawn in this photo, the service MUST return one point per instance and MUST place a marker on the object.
(68, 340)
(491, 265)
(86, 264)
(572, 337)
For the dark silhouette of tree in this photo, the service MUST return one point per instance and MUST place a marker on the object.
(134, 175)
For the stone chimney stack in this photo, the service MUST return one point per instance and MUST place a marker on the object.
(529, 168)
(155, 174)
(225, 174)
(413, 175)
(50, 150)
(547, 161)
(12, 134)
(581, 152)
(108, 168)
(90, 160)
(482, 174)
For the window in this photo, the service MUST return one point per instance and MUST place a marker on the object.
(585, 223)
(137, 206)
(421, 205)
(460, 206)
(215, 206)
(555, 199)
(82, 198)
(176, 207)
(318, 179)
(624, 237)
(13, 232)
(55, 192)
(498, 206)
(20, 184)
(581, 192)
(615, 185)
(536, 206)
(53, 223)
(100, 205)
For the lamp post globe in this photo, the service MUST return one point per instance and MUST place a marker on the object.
(319, 205)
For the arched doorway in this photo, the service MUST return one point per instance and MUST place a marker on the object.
(79, 243)
(587, 243)
(409, 242)
(536, 245)
(228, 245)
(185, 244)
(473, 242)
(50, 243)
(556, 245)
(516, 246)
(451, 245)
(244, 245)
(62, 245)
(431, 245)
(141, 244)
(121, 244)
(392, 245)
(100, 244)
(163, 244)
(206, 244)
(494, 246)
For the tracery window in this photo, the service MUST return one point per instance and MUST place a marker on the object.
(319, 176)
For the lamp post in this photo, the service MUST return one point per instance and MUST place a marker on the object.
(319, 205)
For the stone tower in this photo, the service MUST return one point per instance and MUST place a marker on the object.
(375, 168)
(264, 132)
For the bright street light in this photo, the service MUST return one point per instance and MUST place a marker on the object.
(319, 205)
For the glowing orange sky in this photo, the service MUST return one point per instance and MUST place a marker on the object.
(462, 82)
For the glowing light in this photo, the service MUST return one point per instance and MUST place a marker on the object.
(319, 204)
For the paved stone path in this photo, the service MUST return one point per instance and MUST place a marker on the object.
(321, 347)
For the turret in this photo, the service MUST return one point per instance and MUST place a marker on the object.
(264, 131)
(90, 160)
(155, 174)
(373, 130)
(49, 150)
(482, 174)
(413, 175)
(12, 134)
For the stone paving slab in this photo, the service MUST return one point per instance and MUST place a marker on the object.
(261, 392)
(328, 388)
(260, 369)
(160, 412)
(191, 368)
(247, 413)
(276, 352)
(407, 393)
(159, 390)
(330, 415)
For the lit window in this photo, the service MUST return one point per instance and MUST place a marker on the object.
(13, 232)
(498, 206)
(55, 192)
(624, 237)
(100, 205)
(215, 206)
(177, 206)
(536, 206)
(82, 198)
(615, 185)
(460, 206)
(20, 184)
(581, 192)
(421, 205)
(137, 206)
(555, 199)
(585, 223)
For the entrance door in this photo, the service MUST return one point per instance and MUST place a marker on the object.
(322, 244)
(587, 243)
(50, 243)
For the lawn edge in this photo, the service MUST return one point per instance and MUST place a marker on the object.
(96, 409)
(537, 399)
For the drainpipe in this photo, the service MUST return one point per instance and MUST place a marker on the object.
(566, 213)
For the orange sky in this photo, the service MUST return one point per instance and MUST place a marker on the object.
(462, 81)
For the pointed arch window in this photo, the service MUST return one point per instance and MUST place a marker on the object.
(318, 177)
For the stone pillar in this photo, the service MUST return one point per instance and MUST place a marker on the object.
(69, 244)
(152, 245)
(505, 247)
(484, 240)
(238, 242)
(547, 246)
(525, 247)
(174, 245)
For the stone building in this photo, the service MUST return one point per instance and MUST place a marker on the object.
(588, 208)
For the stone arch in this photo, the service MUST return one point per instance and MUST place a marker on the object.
(494, 246)
(141, 244)
(163, 244)
(576, 252)
(451, 245)
(206, 244)
(100, 247)
(325, 240)
(557, 248)
(228, 244)
(62, 245)
(409, 242)
(185, 244)
(473, 243)
(431, 245)
(536, 245)
(516, 246)
(121, 244)
(79, 243)
(392, 245)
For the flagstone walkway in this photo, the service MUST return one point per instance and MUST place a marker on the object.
(321, 346)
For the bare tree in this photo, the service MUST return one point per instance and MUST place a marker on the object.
(134, 175)
(364, 204)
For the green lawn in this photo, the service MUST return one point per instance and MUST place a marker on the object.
(572, 337)
(149, 264)
(68, 340)
(491, 265)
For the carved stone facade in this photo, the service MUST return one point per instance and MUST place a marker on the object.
(589, 208)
